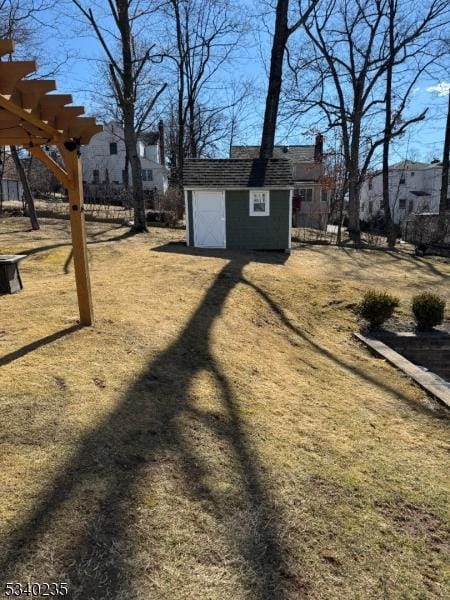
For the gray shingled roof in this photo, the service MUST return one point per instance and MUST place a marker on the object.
(296, 153)
(227, 173)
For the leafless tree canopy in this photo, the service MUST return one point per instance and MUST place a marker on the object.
(339, 73)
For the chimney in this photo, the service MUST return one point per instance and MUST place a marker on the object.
(318, 148)
(162, 158)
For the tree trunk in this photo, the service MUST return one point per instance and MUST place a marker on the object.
(126, 173)
(129, 117)
(354, 179)
(280, 38)
(341, 217)
(445, 165)
(353, 203)
(28, 196)
(389, 224)
(180, 107)
(136, 176)
(193, 152)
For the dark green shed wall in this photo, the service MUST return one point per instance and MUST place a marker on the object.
(257, 233)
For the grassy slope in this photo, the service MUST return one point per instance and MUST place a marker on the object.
(218, 434)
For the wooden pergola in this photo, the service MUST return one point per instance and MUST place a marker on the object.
(32, 118)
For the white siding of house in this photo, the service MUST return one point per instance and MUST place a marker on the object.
(96, 156)
(417, 178)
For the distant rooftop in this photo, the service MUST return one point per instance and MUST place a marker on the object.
(228, 173)
(409, 165)
(297, 152)
(149, 138)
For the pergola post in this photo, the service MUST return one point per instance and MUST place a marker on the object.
(72, 163)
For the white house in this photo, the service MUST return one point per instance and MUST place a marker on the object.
(414, 187)
(104, 159)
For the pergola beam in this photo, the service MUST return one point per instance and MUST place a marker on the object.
(12, 72)
(33, 90)
(32, 118)
(12, 108)
(56, 169)
(6, 47)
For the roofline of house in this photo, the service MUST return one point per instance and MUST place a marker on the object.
(192, 188)
(277, 146)
(306, 181)
(240, 158)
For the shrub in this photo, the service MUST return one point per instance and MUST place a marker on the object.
(376, 307)
(428, 310)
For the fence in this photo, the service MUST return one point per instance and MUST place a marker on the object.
(327, 232)
(102, 205)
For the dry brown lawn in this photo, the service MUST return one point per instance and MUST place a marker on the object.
(218, 434)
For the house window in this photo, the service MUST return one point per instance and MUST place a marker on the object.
(411, 206)
(324, 196)
(370, 207)
(370, 184)
(402, 179)
(412, 173)
(306, 194)
(147, 175)
(113, 148)
(259, 204)
(402, 203)
(95, 176)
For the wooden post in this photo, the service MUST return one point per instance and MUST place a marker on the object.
(72, 163)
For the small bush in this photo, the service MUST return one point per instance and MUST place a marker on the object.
(428, 310)
(376, 307)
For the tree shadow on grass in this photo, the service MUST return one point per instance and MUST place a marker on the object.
(397, 256)
(340, 362)
(130, 445)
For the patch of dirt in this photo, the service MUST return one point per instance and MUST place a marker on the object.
(417, 521)
(401, 324)
(60, 382)
(99, 382)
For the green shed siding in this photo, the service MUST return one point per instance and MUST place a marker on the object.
(257, 233)
(190, 219)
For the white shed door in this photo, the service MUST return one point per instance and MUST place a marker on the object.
(209, 219)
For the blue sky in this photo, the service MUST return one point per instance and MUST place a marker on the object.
(80, 75)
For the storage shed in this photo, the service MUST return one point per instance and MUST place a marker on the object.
(238, 203)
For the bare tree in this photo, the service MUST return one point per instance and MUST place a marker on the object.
(282, 32)
(207, 32)
(352, 47)
(26, 189)
(148, 90)
(126, 68)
